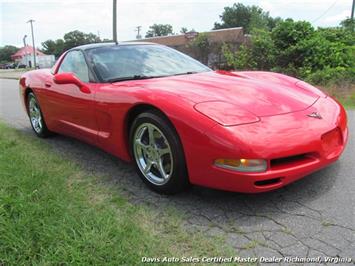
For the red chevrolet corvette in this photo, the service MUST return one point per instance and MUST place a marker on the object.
(182, 123)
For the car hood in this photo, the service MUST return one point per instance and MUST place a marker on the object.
(260, 93)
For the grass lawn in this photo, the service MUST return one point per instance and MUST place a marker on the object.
(348, 103)
(53, 212)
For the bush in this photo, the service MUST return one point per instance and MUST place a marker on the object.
(201, 47)
(324, 55)
(241, 59)
(332, 76)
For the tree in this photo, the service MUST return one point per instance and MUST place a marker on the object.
(201, 46)
(6, 52)
(348, 24)
(159, 30)
(71, 39)
(184, 30)
(248, 17)
(76, 38)
(53, 47)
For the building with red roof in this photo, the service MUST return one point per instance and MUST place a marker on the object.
(24, 56)
(23, 52)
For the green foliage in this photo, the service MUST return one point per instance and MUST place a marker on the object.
(288, 33)
(296, 48)
(241, 59)
(76, 38)
(159, 30)
(6, 52)
(332, 76)
(348, 24)
(201, 47)
(184, 30)
(71, 39)
(338, 34)
(248, 17)
(53, 47)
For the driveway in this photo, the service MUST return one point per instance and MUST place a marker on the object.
(312, 217)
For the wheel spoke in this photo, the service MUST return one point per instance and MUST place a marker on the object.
(153, 154)
(148, 166)
(141, 144)
(161, 169)
(32, 112)
(39, 122)
(151, 135)
(35, 115)
(163, 151)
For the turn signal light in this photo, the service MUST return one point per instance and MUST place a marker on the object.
(242, 165)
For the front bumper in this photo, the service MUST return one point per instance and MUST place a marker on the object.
(293, 144)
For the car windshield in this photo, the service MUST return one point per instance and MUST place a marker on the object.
(126, 62)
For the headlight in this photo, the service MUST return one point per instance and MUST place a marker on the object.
(242, 165)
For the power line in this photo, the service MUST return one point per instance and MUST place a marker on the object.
(326, 11)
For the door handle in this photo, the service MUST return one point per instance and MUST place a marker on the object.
(47, 84)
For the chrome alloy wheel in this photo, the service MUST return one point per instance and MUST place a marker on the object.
(153, 154)
(35, 115)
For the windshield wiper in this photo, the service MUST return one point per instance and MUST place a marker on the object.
(186, 73)
(135, 77)
(139, 77)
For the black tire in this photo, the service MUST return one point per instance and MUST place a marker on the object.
(41, 131)
(178, 179)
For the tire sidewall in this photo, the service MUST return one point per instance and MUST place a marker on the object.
(44, 130)
(178, 180)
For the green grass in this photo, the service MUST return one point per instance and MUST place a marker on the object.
(53, 212)
(349, 103)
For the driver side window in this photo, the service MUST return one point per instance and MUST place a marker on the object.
(75, 62)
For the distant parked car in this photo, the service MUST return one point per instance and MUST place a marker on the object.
(21, 66)
(10, 66)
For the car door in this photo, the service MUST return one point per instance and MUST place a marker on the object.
(71, 109)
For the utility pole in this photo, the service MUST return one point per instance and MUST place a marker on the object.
(24, 45)
(352, 12)
(138, 30)
(24, 40)
(33, 42)
(114, 21)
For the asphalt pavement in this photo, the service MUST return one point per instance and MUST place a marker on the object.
(309, 218)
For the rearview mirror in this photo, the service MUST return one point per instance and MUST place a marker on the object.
(70, 78)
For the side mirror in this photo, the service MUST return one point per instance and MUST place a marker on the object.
(70, 78)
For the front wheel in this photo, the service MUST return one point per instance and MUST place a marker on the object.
(36, 117)
(157, 153)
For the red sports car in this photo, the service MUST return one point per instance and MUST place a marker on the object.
(182, 123)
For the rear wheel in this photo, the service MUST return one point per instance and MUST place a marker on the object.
(36, 118)
(157, 153)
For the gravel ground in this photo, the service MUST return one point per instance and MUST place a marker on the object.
(312, 217)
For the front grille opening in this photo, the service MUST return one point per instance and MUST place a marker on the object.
(291, 160)
(268, 182)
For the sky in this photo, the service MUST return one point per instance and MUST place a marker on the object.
(54, 18)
